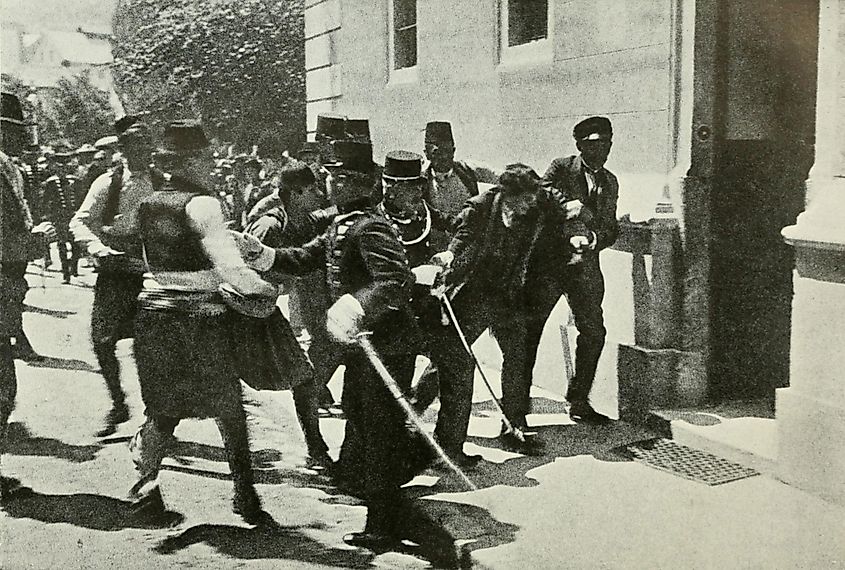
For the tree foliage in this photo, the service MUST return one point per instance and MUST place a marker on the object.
(236, 64)
(75, 111)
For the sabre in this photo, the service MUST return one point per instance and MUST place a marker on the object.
(518, 433)
(396, 392)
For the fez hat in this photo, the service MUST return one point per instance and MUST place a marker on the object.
(358, 130)
(439, 132)
(402, 165)
(185, 136)
(11, 109)
(593, 128)
(331, 126)
(351, 155)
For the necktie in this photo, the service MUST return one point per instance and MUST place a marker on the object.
(600, 179)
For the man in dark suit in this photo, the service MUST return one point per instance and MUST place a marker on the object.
(591, 192)
(506, 239)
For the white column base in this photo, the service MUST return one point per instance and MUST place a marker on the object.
(811, 447)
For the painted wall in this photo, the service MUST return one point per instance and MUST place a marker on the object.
(606, 58)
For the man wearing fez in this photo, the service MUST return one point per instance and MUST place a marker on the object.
(185, 340)
(507, 239)
(450, 182)
(18, 240)
(591, 192)
(370, 287)
(60, 197)
(106, 225)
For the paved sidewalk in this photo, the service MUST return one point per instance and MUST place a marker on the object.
(580, 506)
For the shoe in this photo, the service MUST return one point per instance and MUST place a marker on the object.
(10, 488)
(320, 461)
(247, 505)
(149, 511)
(521, 441)
(584, 412)
(118, 414)
(462, 460)
(371, 541)
(27, 355)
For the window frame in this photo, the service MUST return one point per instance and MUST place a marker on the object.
(534, 51)
(403, 74)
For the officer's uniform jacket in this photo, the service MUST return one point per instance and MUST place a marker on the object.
(60, 201)
(364, 258)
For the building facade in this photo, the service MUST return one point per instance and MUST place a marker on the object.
(714, 109)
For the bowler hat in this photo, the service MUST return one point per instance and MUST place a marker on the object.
(185, 136)
(351, 155)
(439, 132)
(358, 129)
(593, 128)
(11, 109)
(331, 126)
(402, 165)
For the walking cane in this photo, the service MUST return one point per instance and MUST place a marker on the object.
(396, 392)
(509, 427)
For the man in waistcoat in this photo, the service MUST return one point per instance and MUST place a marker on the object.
(106, 225)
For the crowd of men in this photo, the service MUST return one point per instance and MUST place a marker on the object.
(383, 262)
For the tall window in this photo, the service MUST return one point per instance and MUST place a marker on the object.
(526, 29)
(404, 33)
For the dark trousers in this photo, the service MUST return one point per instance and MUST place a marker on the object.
(8, 387)
(154, 439)
(377, 455)
(308, 305)
(583, 285)
(475, 313)
(69, 258)
(112, 318)
(305, 404)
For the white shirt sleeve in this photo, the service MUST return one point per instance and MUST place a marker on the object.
(206, 218)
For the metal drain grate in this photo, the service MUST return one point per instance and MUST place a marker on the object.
(686, 462)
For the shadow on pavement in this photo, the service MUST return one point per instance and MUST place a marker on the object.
(266, 542)
(22, 442)
(63, 364)
(96, 512)
(560, 441)
(49, 312)
(183, 449)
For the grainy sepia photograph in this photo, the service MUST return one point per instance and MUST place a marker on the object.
(411, 284)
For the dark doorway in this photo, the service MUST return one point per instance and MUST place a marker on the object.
(766, 70)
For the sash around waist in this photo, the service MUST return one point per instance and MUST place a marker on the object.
(194, 303)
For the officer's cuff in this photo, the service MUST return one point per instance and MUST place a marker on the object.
(264, 260)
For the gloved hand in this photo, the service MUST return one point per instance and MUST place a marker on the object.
(443, 259)
(343, 319)
(579, 243)
(254, 253)
(46, 230)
